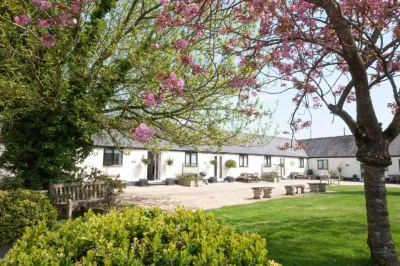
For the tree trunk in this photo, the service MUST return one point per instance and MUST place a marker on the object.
(380, 242)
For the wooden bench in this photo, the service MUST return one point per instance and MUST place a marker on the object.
(290, 189)
(266, 190)
(84, 195)
(248, 177)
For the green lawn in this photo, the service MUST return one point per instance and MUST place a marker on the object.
(325, 229)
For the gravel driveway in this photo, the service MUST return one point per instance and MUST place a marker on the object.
(212, 196)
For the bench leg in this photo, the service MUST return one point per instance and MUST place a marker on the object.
(257, 194)
(290, 191)
(69, 209)
(267, 193)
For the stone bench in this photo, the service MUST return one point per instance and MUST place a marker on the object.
(295, 189)
(317, 187)
(266, 190)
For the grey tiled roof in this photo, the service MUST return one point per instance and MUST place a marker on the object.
(341, 146)
(269, 146)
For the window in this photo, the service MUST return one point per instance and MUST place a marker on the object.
(267, 161)
(323, 164)
(301, 162)
(112, 157)
(190, 158)
(243, 160)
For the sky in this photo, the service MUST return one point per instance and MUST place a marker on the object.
(325, 124)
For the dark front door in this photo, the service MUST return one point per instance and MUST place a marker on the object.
(220, 167)
(152, 168)
(216, 167)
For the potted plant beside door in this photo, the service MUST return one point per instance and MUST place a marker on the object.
(169, 181)
(213, 179)
(230, 164)
(340, 169)
(144, 182)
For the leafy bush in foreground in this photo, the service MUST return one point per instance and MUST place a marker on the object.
(22, 208)
(137, 236)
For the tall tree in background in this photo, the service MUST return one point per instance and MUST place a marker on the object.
(72, 69)
(331, 52)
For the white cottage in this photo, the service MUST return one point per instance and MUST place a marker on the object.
(330, 152)
(126, 160)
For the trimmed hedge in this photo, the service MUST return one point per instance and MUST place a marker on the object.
(138, 236)
(22, 208)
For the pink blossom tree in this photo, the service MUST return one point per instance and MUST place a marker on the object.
(332, 53)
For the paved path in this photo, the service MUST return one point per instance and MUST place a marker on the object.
(208, 196)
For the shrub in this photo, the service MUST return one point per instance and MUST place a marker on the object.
(230, 164)
(214, 162)
(11, 182)
(190, 176)
(23, 208)
(269, 176)
(137, 236)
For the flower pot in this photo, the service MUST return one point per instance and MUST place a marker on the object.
(170, 181)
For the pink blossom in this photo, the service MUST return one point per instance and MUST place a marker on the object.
(191, 11)
(351, 97)
(186, 60)
(42, 5)
(48, 40)
(164, 3)
(243, 82)
(142, 133)
(76, 6)
(161, 98)
(65, 19)
(150, 98)
(154, 46)
(163, 20)
(196, 69)
(44, 23)
(22, 19)
(181, 43)
(174, 84)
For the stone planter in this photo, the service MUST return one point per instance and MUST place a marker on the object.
(143, 183)
(213, 179)
(170, 181)
(190, 183)
(230, 179)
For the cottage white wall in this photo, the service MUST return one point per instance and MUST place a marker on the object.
(291, 165)
(204, 163)
(254, 165)
(394, 169)
(175, 169)
(350, 166)
(132, 169)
